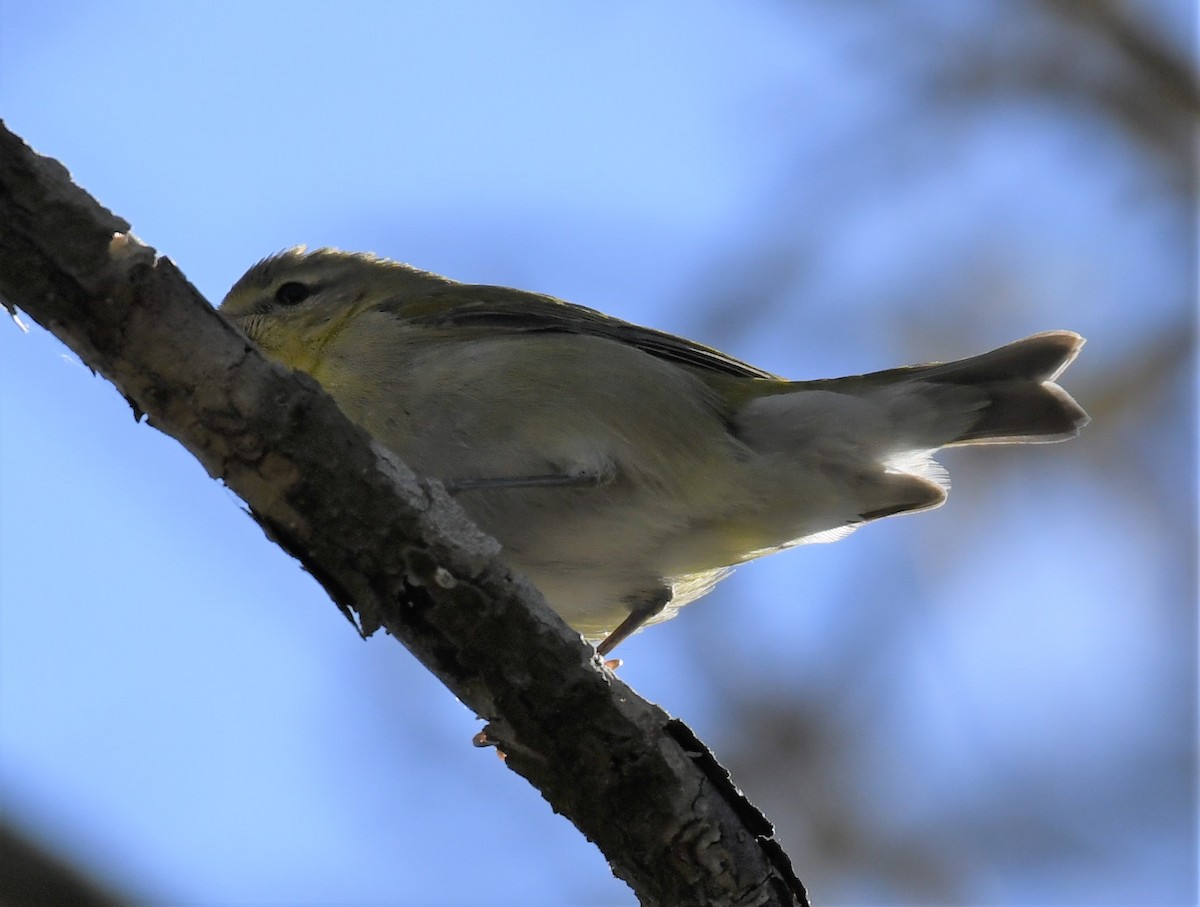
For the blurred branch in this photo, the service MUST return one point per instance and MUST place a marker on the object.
(1102, 56)
(1168, 77)
(31, 875)
(1147, 88)
(944, 77)
(389, 548)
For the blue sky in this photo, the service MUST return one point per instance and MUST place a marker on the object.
(183, 712)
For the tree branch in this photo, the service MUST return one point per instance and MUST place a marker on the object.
(30, 874)
(390, 549)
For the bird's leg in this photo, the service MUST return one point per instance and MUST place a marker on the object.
(641, 612)
(553, 480)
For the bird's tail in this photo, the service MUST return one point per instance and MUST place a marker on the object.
(1012, 391)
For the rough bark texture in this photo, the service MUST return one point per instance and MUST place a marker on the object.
(390, 549)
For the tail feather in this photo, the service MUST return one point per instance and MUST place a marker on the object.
(1024, 412)
(1024, 404)
(1015, 397)
(1038, 357)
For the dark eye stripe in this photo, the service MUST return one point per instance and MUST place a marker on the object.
(292, 293)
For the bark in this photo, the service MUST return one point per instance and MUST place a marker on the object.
(391, 549)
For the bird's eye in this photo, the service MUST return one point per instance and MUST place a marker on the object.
(292, 293)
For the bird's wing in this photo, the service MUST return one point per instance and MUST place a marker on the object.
(500, 309)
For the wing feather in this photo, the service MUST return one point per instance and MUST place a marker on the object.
(500, 309)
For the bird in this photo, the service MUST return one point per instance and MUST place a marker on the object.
(625, 470)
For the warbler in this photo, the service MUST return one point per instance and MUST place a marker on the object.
(625, 470)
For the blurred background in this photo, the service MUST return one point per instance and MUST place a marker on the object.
(992, 703)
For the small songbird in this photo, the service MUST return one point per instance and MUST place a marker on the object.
(625, 470)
